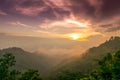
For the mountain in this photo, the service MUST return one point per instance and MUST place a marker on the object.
(87, 61)
(36, 60)
(48, 65)
(26, 60)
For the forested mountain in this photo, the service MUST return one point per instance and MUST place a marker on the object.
(85, 63)
(26, 60)
(88, 61)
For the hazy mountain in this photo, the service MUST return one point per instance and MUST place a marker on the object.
(26, 60)
(46, 64)
(36, 60)
(87, 61)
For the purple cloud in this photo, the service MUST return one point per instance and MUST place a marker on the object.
(96, 11)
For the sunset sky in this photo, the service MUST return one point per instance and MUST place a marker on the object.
(58, 25)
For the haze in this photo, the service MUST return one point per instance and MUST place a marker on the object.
(67, 27)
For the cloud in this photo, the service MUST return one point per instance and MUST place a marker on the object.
(31, 7)
(47, 25)
(97, 4)
(110, 8)
(3, 13)
(63, 27)
(108, 25)
(63, 16)
(112, 29)
(3, 34)
(96, 9)
(30, 11)
(18, 23)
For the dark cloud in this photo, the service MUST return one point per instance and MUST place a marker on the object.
(28, 3)
(32, 8)
(110, 27)
(110, 7)
(76, 7)
(106, 25)
(115, 28)
(82, 7)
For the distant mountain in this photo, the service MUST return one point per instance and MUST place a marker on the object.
(48, 65)
(36, 60)
(87, 61)
(26, 60)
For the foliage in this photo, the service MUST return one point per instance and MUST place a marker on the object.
(109, 69)
(69, 75)
(30, 75)
(7, 61)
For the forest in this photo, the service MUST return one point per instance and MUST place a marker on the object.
(109, 69)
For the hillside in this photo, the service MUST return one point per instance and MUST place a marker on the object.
(87, 62)
(46, 65)
(26, 60)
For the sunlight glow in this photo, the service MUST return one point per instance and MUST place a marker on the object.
(75, 36)
(80, 24)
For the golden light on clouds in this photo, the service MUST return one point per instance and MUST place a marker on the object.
(72, 29)
(79, 24)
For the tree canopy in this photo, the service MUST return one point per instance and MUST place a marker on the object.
(109, 69)
(7, 61)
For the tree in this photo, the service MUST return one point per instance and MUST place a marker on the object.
(116, 66)
(7, 61)
(109, 67)
(30, 75)
(69, 75)
(106, 66)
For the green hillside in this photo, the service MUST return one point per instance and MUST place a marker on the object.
(26, 60)
(45, 65)
(87, 62)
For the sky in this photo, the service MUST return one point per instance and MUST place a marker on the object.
(71, 26)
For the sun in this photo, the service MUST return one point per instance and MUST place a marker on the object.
(75, 36)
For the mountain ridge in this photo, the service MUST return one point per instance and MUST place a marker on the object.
(86, 62)
(27, 60)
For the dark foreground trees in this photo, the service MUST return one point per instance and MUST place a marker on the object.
(7, 61)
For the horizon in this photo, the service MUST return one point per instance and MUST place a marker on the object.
(61, 27)
(60, 39)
